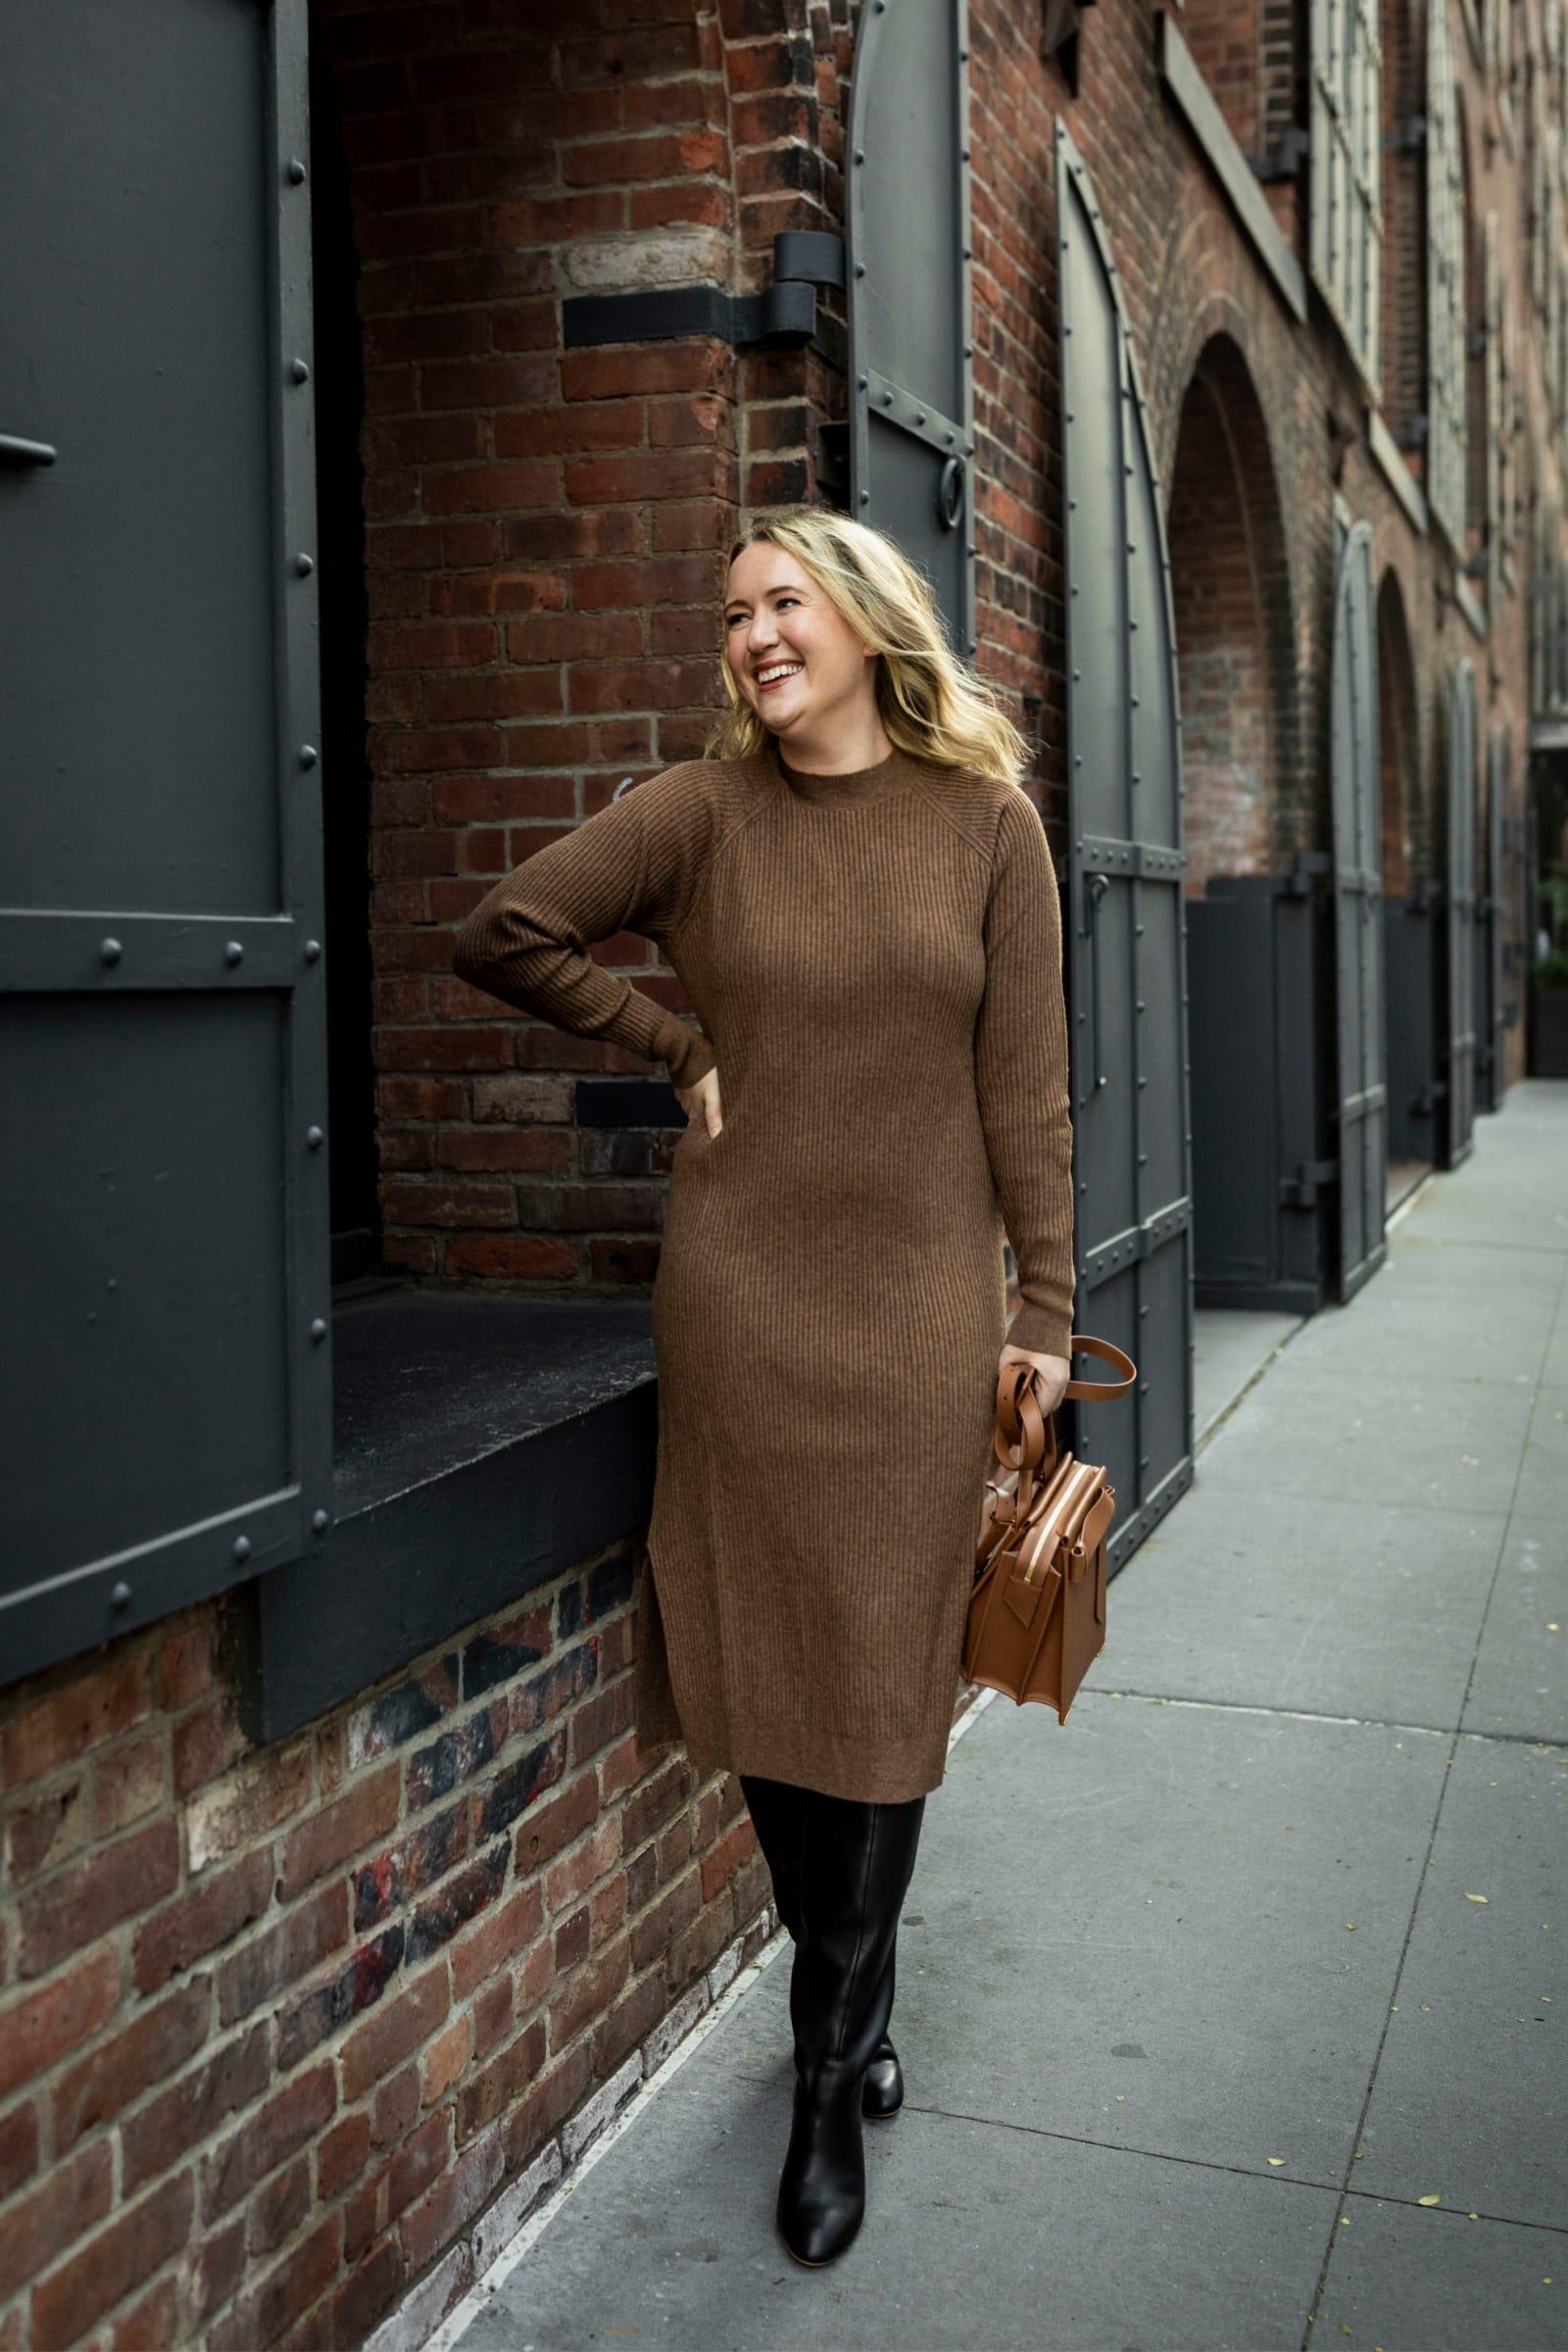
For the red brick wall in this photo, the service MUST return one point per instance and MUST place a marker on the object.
(278, 2027)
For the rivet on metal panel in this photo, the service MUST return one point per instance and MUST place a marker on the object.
(315, 1137)
(859, 269)
(1072, 417)
(242, 1548)
(969, 351)
(296, 171)
(963, 154)
(1077, 674)
(309, 755)
(319, 1521)
(886, 400)
(859, 155)
(1099, 1082)
(120, 1596)
(949, 438)
(968, 253)
(920, 419)
(110, 951)
(865, 498)
(973, 647)
(313, 948)
(234, 952)
(1072, 505)
(862, 381)
(305, 564)
(317, 1328)
(300, 372)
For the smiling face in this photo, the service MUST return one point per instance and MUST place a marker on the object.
(796, 659)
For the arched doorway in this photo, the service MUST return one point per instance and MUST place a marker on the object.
(1408, 905)
(1254, 1081)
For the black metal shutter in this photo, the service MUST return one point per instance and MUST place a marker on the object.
(1360, 1088)
(166, 1401)
(1491, 928)
(1123, 907)
(911, 396)
(1459, 929)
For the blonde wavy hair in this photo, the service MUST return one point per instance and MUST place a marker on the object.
(930, 705)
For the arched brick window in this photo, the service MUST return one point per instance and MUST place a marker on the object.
(1347, 239)
(1445, 331)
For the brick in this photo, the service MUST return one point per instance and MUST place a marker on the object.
(302, 1938)
(290, 2118)
(167, 2128)
(370, 2290)
(41, 1836)
(249, 1802)
(456, 1903)
(262, 2314)
(110, 2264)
(421, 2160)
(341, 2154)
(397, 2104)
(390, 1879)
(183, 1663)
(551, 1826)
(19, 2146)
(504, 1650)
(511, 1791)
(335, 1831)
(444, 2060)
(43, 2025)
(54, 2215)
(201, 1920)
(145, 2051)
(430, 2227)
(588, 1993)
(305, 2023)
(80, 1905)
(277, 2208)
(151, 2323)
(128, 1782)
(493, 2088)
(494, 1940)
(375, 2048)
(79, 1714)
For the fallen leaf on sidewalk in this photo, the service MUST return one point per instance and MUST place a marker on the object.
(1276, 2160)
(1436, 2199)
(1477, 1898)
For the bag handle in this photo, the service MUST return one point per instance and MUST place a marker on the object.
(1021, 1425)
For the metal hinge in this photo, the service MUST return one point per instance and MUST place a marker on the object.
(785, 311)
(1300, 1190)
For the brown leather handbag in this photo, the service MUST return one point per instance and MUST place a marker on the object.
(1036, 1614)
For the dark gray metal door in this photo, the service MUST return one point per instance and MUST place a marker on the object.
(167, 1393)
(1491, 928)
(911, 396)
(1360, 1106)
(1459, 930)
(1123, 907)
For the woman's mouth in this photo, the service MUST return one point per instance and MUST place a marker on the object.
(777, 674)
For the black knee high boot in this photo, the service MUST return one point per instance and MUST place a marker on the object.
(857, 1862)
(774, 1808)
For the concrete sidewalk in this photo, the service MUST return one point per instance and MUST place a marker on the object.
(1205, 1999)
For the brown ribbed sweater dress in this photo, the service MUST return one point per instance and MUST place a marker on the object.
(876, 961)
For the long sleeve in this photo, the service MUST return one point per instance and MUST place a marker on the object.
(628, 868)
(1021, 1077)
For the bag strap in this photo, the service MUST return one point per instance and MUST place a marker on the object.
(1109, 1353)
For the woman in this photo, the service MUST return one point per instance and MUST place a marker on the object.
(858, 902)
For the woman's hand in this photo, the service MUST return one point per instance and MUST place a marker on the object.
(1054, 1372)
(700, 1101)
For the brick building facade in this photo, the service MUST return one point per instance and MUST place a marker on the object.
(295, 2031)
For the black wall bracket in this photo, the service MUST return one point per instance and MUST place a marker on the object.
(785, 311)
